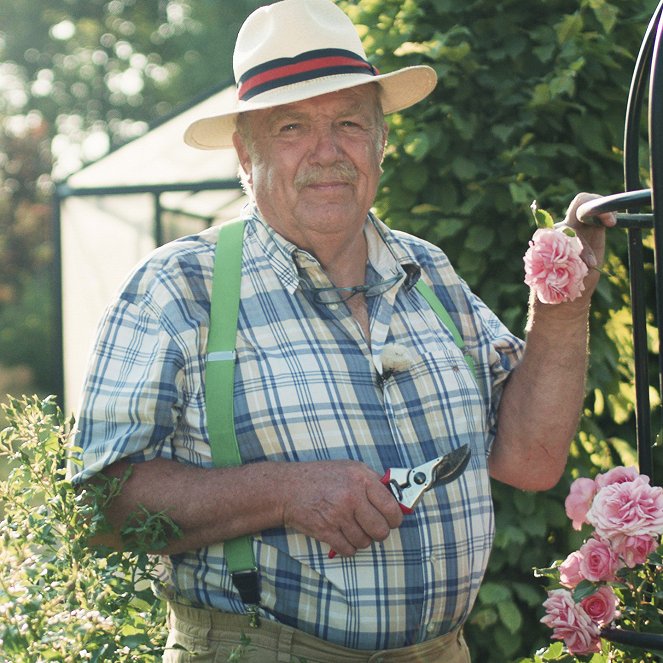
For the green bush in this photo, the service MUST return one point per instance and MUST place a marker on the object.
(60, 599)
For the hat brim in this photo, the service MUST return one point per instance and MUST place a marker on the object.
(400, 89)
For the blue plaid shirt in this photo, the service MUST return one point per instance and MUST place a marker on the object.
(309, 387)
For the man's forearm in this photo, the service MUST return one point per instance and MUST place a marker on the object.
(208, 505)
(542, 401)
(341, 502)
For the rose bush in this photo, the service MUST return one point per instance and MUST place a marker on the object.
(614, 578)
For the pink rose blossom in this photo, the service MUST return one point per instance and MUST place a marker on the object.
(601, 606)
(569, 570)
(618, 475)
(553, 266)
(632, 508)
(571, 623)
(579, 500)
(634, 550)
(597, 561)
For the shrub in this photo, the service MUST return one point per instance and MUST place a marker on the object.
(61, 599)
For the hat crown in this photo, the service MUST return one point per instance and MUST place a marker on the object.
(289, 28)
(294, 50)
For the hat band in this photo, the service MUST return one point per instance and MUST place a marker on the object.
(303, 67)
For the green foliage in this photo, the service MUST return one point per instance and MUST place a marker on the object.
(76, 78)
(530, 104)
(60, 599)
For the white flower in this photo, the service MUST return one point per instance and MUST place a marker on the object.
(396, 357)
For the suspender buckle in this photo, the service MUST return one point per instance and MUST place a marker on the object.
(247, 583)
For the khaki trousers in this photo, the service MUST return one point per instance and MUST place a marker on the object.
(208, 636)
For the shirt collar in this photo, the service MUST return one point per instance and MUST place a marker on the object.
(385, 252)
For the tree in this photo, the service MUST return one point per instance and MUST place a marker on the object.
(77, 80)
(530, 105)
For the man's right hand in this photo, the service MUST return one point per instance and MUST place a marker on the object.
(342, 503)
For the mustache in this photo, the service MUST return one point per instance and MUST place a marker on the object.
(340, 172)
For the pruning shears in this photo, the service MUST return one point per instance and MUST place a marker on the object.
(408, 484)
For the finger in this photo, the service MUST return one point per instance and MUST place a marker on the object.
(588, 257)
(356, 535)
(372, 523)
(384, 502)
(605, 219)
(342, 547)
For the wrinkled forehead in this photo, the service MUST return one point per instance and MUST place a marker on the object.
(355, 99)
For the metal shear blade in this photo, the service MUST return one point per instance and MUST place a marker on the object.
(418, 480)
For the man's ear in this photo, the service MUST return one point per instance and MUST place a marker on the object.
(243, 155)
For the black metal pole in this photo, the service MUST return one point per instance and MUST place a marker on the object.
(656, 171)
(158, 220)
(636, 260)
(643, 414)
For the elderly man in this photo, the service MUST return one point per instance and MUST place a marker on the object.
(321, 408)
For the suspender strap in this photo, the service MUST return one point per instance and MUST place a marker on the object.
(219, 383)
(438, 308)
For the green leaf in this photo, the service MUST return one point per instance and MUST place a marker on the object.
(555, 650)
(542, 218)
(584, 589)
(535, 526)
(464, 168)
(524, 502)
(417, 146)
(508, 643)
(569, 27)
(605, 13)
(510, 615)
(479, 238)
(493, 593)
(530, 595)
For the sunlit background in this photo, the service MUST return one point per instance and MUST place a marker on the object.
(78, 80)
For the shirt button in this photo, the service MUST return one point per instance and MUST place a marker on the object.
(332, 307)
(431, 628)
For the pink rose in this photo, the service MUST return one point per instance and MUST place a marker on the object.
(634, 550)
(617, 475)
(579, 500)
(632, 508)
(598, 561)
(571, 623)
(553, 266)
(601, 606)
(569, 570)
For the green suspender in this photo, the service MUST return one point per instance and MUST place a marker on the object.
(219, 383)
(438, 308)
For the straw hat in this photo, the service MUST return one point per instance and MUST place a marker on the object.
(297, 49)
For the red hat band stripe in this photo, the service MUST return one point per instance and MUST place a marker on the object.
(270, 77)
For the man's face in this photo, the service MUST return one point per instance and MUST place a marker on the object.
(314, 165)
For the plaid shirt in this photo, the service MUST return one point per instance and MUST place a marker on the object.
(309, 387)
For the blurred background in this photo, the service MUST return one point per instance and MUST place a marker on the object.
(78, 80)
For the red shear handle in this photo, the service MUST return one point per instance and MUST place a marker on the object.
(385, 480)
